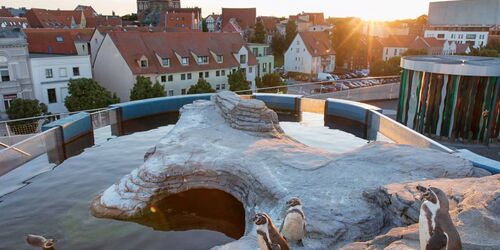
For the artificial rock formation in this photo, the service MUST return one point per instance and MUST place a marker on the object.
(237, 146)
(474, 208)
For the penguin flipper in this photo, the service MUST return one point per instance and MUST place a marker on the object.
(437, 241)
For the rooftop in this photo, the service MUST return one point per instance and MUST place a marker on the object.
(454, 65)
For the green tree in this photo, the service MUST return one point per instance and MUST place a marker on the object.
(346, 40)
(259, 35)
(291, 32)
(204, 26)
(130, 17)
(24, 108)
(202, 86)
(85, 94)
(238, 81)
(278, 44)
(270, 80)
(145, 89)
(386, 68)
(483, 51)
(414, 52)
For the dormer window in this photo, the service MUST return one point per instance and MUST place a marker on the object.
(202, 59)
(144, 63)
(243, 59)
(185, 61)
(220, 59)
(59, 39)
(165, 62)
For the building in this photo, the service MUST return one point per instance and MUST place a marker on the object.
(310, 53)
(385, 29)
(239, 20)
(394, 46)
(214, 23)
(453, 98)
(465, 21)
(72, 19)
(15, 79)
(174, 59)
(13, 22)
(149, 11)
(54, 60)
(265, 59)
(270, 25)
(310, 22)
(183, 19)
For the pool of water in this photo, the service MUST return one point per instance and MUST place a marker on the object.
(55, 202)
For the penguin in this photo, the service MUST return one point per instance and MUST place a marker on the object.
(268, 237)
(294, 223)
(40, 241)
(436, 229)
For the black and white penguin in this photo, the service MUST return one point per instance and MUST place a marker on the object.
(436, 229)
(268, 237)
(294, 223)
(40, 241)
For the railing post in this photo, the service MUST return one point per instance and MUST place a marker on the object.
(55, 146)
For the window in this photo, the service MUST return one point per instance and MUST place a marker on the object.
(183, 91)
(183, 77)
(60, 39)
(189, 76)
(217, 73)
(219, 58)
(203, 59)
(7, 99)
(470, 36)
(163, 78)
(4, 73)
(395, 52)
(250, 69)
(217, 87)
(207, 74)
(243, 59)
(144, 63)
(297, 50)
(264, 67)
(48, 73)
(170, 78)
(223, 86)
(165, 62)
(200, 75)
(298, 42)
(185, 61)
(63, 72)
(387, 51)
(170, 93)
(76, 71)
(223, 72)
(51, 95)
(440, 36)
(255, 51)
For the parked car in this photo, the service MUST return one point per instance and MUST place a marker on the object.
(325, 77)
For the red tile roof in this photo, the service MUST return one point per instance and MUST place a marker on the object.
(270, 23)
(133, 45)
(397, 41)
(40, 18)
(426, 43)
(82, 35)
(4, 12)
(246, 17)
(314, 18)
(317, 43)
(107, 21)
(462, 48)
(50, 41)
(19, 22)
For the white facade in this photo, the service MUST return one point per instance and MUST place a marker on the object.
(214, 24)
(112, 72)
(476, 39)
(95, 44)
(320, 28)
(299, 59)
(389, 52)
(51, 75)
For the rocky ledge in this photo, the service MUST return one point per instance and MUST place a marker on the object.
(237, 146)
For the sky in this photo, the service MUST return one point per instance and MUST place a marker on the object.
(382, 10)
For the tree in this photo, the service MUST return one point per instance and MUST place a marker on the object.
(24, 108)
(259, 35)
(144, 89)
(278, 47)
(204, 26)
(85, 94)
(386, 68)
(414, 52)
(483, 51)
(237, 81)
(346, 40)
(130, 17)
(270, 80)
(291, 32)
(202, 86)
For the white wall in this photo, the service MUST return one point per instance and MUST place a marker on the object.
(62, 72)
(390, 52)
(298, 58)
(112, 72)
(177, 85)
(480, 37)
(95, 44)
(250, 70)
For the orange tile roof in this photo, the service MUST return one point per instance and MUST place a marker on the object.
(426, 43)
(14, 22)
(4, 12)
(40, 18)
(317, 43)
(83, 35)
(50, 41)
(133, 45)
